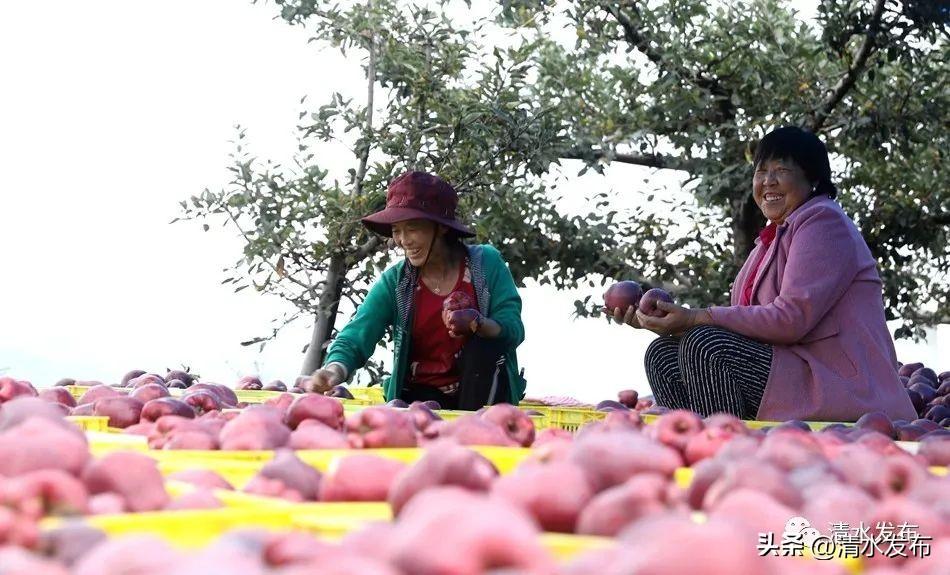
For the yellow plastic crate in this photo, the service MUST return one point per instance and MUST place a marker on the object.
(568, 418)
(540, 421)
(373, 394)
(334, 520)
(187, 529)
(237, 473)
(565, 546)
(754, 424)
(238, 467)
(90, 422)
(683, 476)
(77, 391)
(193, 529)
(505, 459)
(260, 396)
(102, 442)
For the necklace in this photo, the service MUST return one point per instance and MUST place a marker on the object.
(438, 287)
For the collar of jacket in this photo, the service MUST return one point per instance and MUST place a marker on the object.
(773, 247)
(795, 215)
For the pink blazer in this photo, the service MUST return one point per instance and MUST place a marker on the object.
(817, 298)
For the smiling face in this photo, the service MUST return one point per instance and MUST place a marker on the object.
(779, 187)
(414, 238)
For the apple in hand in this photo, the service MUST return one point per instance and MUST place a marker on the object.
(622, 295)
(649, 300)
(462, 322)
(455, 301)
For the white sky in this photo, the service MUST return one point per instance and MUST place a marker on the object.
(111, 112)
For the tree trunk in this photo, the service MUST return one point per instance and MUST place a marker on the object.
(326, 315)
(747, 221)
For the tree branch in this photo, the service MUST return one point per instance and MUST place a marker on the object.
(941, 219)
(247, 238)
(847, 82)
(370, 85)
(365, 250)
(649, 160)
(634, 37)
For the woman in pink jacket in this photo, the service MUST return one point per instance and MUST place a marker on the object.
(804, 336)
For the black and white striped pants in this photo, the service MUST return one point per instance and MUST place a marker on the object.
(709, 370)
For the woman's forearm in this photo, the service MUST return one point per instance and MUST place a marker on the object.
(489, 328)
(703, 317)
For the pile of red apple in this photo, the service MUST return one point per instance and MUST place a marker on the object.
(928, 391)
(46, 469)
(454, 512)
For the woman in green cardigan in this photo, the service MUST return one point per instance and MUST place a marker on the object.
(454, 308)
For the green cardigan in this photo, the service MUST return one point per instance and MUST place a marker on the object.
(389, 304)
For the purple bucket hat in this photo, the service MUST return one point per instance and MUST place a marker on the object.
(417, 195)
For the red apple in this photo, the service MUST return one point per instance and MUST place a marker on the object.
(461, 322)
(649, 300)
(676, 428)
(326, 410)
(622, 295)
(554, 493)
(132, 476)
(10, 388)
(183, 376)
(276, 385)
(443, 463)
(203, 478)
(98, 392)
(222, 393)
(360, 478)
(139, 554)
(146, 379)
(294, 473)
(380, 427)
(706, 444)
(257, 427)
(925, 372)
(612, 458)
(249, 382)
(908, 369)
(202, 401)
(516, 424)
(476, 535)
(935, 450)
(473, 430)
(58, 395)
(876, 421)
(147, 393)
(628, 397)
(130, 376)
(312, 434)
(24, 407)
(615, 508)
(122, 411)
(917, 400)
(455, 301)
(163, 406)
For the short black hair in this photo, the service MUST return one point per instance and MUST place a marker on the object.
(802, 147)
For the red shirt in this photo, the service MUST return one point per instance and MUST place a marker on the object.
(767, 235)
(433, 353)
